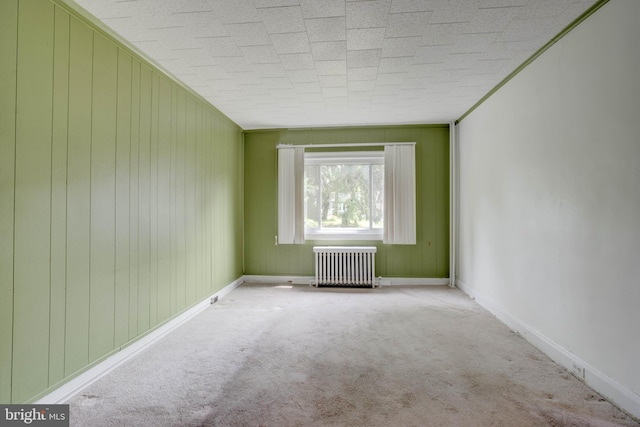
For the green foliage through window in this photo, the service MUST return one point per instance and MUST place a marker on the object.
(344, 191)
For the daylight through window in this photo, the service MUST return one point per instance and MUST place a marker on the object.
(347, 195)
(344, 195)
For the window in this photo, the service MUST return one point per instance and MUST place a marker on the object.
(339, 194)
(344, 195)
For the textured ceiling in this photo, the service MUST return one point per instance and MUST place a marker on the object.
(302, 63)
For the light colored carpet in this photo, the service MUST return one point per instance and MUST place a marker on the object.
(271, 355)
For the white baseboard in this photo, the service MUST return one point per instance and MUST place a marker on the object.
(295, 280)
(620, 395)
(410, 281)
(77, 384)
(385, 281)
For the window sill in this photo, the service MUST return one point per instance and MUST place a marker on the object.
(343, 236)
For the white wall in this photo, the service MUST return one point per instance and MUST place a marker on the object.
(550, 202)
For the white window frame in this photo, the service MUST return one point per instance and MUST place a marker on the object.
(342, 158)
(399, 194)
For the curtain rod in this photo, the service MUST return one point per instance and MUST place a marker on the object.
(373, 144)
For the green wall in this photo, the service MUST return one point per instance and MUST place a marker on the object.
(120, 197)
(429, 258)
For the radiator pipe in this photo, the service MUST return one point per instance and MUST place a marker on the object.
(453, 202)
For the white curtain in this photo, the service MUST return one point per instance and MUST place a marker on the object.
(290, 195)
(399, 194)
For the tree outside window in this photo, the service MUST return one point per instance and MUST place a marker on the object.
(344, 192)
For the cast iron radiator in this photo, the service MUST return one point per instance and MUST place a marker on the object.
(348, 266)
